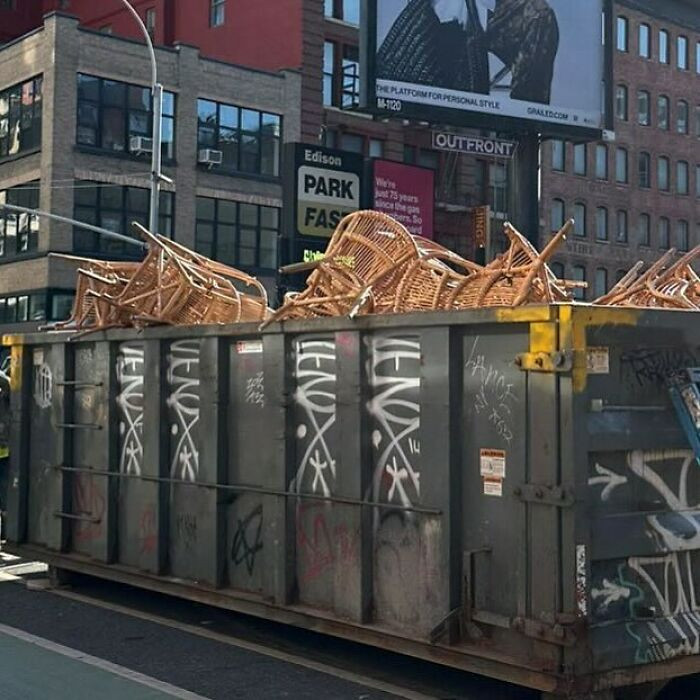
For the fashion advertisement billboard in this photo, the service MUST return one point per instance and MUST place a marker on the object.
(468, 61)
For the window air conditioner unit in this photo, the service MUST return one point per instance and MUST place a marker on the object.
(140, 144)
(210, 156)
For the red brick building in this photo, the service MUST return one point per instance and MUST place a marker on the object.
(636, 196)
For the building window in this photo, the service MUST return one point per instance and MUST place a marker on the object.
(621, 102)
(601, 161)
(663, 46)
(217, 13)
(601, 282)
(621, 230)
(558, 270)
(644, 41)
(662, 174)
(601, 224)
(376, 148)
(248, 140)
(347, 10)
(151, 22)
(664, 234)
(115, 207)
(621, 165)
(644, 231)
(579, 275)
(111, 113)
(682, 117)
(622, 37)
(580, 165)
(643, 108)
(19, 233)
(557, 220)
(341, 75)
(662, 109)
(682, 240)
(558, 155)
(40, 305)
(579, 219)
(682, 52)
(682, 177)
(497, 193)
(237, 234)
(644, 170)
(328, 63)
(20, 118)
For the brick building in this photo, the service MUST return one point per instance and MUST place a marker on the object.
(75, 116)
(320, 39)
(636, 196)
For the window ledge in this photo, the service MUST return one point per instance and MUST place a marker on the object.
(18, 156)
(121, 155)
(273, 179)
(22, 257)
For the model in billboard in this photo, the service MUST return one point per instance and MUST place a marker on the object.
(443, 43)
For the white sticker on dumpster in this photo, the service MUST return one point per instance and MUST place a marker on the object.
(493, 463)
(249, 347)
(598, 360)
(38, 357)
(493, 486)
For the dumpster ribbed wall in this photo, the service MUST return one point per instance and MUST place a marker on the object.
(506, 491)
(644, 501)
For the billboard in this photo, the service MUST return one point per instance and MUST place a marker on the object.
(486, 62)
(407, 193)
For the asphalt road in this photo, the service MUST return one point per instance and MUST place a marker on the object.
(102, 641)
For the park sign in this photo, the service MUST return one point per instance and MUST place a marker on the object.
(473, 145)
(327, 185)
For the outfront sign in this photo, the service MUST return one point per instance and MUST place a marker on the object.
(474, 145)
(328, 186)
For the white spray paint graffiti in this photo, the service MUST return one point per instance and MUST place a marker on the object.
(394, 375)
(255, 390)
(43, 385)
(608, 478)
(660, 587)
(494, 396)
(130, 406)
(183, 401)
(315, 394)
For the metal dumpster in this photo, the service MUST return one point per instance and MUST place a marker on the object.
(503, 491)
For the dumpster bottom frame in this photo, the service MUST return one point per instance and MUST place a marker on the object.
(456, 657)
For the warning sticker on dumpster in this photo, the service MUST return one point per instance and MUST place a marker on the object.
(493, 487)
(598, 360)
(249, 347)
(492, 463)
(38, 357)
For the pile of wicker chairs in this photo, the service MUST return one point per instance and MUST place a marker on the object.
(374, 265)
(172, 285)
(665, 284)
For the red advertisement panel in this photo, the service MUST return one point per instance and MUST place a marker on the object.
(405, 192)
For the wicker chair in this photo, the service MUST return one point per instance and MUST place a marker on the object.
(96, 278)
(366, 258)
(518, 276)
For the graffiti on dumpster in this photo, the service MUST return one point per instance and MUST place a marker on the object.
(319, 545)
(315, 396)
(655, 594)
(43, 385)
(248, 541)
(494, 396)
(130, 408)
(255, 390)
(653, 366)
(183, 402)
(393, 369)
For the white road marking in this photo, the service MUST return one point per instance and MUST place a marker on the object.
(319, 666)
(101, 664)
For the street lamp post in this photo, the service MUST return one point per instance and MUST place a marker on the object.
(157, 95)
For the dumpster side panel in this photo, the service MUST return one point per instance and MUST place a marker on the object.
(643, 497)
